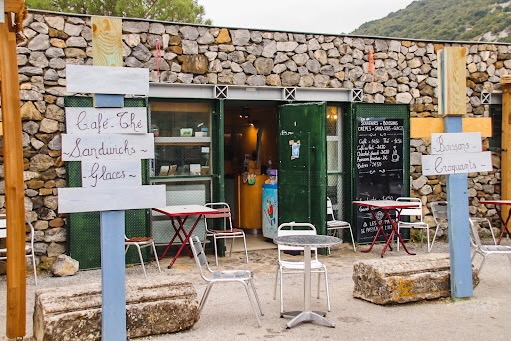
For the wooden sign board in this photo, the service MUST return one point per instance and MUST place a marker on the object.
(456, 163)
(111, 173)
(106, 120)
(455, 143)
(107, 147)
(78, 199)
(107, 80)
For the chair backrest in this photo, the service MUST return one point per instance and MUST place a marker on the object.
(411, 212)
(329, 210)
(3, 228)
(224, 212)
(476, 241)
(199, 255)
(439, 210)
(3, 232)
(292, 229)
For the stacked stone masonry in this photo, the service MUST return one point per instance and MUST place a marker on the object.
(405, 71)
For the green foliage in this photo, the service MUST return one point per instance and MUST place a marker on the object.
(443, 20)
(188, 11)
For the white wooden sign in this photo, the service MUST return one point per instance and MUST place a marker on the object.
(82, 147)
(107, 80)
(78, 199)
(456, 163)
(108, 173)
(2, 11)
(455, 143)
(106, 120)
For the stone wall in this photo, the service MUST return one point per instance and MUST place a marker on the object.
(405, 71)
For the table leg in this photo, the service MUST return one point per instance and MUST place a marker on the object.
(176, 234)
(186, 240)
(307, 315)
(504, 226)
(381, 228)
(394, 232)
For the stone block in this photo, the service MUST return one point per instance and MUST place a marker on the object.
(394, 280)
(153, 306)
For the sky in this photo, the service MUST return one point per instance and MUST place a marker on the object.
(308, 16)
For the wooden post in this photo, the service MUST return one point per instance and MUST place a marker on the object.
(505, 170)
(452, 105)
(107, 51)
(13, 165)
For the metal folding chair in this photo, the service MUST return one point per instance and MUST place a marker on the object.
(244, 277)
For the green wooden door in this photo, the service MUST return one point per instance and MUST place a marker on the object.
(302, 164)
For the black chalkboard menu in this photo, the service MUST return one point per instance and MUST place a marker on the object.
(379, 162)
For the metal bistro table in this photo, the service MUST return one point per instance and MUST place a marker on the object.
(386, 206)
(178, 214)
(505, 228)
(307, 241)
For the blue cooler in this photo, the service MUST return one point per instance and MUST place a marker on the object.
(270, 210)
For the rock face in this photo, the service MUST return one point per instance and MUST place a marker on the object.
(153, 306)
(404, 279)
(65, 266)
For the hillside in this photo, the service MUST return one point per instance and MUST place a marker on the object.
(461, 20)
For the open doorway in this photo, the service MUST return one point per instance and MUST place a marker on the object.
(250, 140)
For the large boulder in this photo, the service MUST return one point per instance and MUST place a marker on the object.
(404, 279)
(153, 306)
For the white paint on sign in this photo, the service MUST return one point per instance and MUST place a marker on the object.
(78, 199)
(107, 80)
(2, 11)
(108, 173)
(106, 120)
(455, 143)
(80, 147)
(456, 163)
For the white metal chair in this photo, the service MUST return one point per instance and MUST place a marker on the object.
(245, 277)
(286, 266)
(416, 213)
(334, 227)
(29, 247)
(228, 232)
(439, 211)
(486, 250)
(481, 221)
(140, 243)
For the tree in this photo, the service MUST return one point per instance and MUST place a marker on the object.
(188, 11)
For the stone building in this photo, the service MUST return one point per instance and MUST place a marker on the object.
(239, 67)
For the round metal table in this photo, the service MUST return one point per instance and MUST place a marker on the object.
(308, 241)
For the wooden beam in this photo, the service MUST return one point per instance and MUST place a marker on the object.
(505, 161)
(14, 187)
(425, 126)
(14, 6)
(452, 86)
(106, 41)
(452, 104)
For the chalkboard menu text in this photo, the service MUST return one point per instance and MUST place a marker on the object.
(379, 162)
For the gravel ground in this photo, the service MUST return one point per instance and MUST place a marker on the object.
(227, 313)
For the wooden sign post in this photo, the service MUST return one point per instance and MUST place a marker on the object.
(452, 105)
(109, 140)
(13, 166)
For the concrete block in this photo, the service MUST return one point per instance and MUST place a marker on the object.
(404, 279)
(153, 306)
